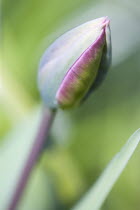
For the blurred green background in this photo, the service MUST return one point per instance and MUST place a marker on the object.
(83, 140)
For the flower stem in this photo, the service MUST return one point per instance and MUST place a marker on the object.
(43, 132)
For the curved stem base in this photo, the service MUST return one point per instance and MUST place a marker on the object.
(43, 132)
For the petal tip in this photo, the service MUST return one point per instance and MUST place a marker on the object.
(106, 21)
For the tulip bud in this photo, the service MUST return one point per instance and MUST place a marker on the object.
(75, 64)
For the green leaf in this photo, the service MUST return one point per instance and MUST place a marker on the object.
(98, 193)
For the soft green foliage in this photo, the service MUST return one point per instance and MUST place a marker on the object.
(90, 135)
(39, 187)
(97, 194)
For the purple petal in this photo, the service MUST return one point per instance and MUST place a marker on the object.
(82, 73)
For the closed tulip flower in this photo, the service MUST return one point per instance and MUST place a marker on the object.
(75, 64)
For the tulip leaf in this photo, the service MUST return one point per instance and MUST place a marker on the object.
(100, 190)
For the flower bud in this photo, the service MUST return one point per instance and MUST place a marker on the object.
(75, 64)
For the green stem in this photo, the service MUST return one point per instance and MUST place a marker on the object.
(43, 132)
